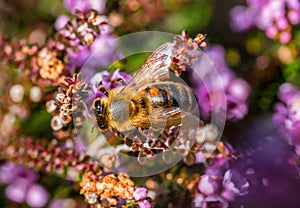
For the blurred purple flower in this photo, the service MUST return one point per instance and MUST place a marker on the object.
(287, 114)
(274, 17)
(25, 174)
(214, 201)
(286, 92)
(61, 22)
(57, 203)
(144, 204)
(10, 172)
(140, 193)
(239, 89)
(236, 109)
(211, 93)
(85, 5)
(17, 191)
(234, 182)
(197, 201)
(207, 185)
(37, 196)
(7, 172)
(241, 18)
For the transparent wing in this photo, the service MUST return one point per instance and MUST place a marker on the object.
(156, 68)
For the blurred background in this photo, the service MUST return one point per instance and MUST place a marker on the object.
(243, 37)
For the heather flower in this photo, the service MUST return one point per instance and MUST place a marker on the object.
(211, 94)
(214, 201)
(144, 204)
(207, 185)
(274, 17)
(17, 192)
(140, 193)
(197, 201)
(233, 181)
(85, 5)
(241, 18)
(61, 22)
(287, 114)
(37, 196)
(108, 80)
(8, 167)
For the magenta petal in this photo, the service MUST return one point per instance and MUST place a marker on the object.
(37, 196)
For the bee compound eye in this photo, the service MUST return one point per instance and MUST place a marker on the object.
(97, 104)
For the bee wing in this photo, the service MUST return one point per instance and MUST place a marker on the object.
(161, 117)
(156, 68)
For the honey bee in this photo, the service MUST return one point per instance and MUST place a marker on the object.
(150, 99)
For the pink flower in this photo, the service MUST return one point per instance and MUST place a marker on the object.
(207, 185)
(140, 193)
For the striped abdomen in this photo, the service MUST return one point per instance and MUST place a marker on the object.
(169, 95)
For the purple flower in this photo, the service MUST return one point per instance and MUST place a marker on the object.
(214, 201)
(274, 17)
(17, 191)
(57, 203)
(207, 185)
(234, 182)
(25, 174)
(85, 5)
(211, 94)
(241, 18)
(108, 81)
(144, 204)
(236, 109)
(140, 193)
(287, 114)
(7, 172)
(286, 92)
(37, 196)
(61, 22)
(239, 89)
(197, 201)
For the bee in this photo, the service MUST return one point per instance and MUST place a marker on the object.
(150, 99)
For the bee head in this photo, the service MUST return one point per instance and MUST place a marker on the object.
(99, 107)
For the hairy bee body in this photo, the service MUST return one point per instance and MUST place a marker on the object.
(125, 111)
(150, 99)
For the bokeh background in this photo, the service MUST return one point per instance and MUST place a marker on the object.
(256, 40)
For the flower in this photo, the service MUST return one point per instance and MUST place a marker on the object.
(85, 5)
(144, 204)
(234, 182)
(207, 185)
(287, 114)
(214, 201)
(37, 196)
(140, 193)
(61, 22)
(211, 93)
(17, 192)
(274, 17)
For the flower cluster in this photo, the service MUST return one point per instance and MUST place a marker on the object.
(22, 185)
(220, 184)
(210, 92)
(88, 36)
(183, 45)
(68, 104)
(287, 114)
(111, 190)
(275, 17)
